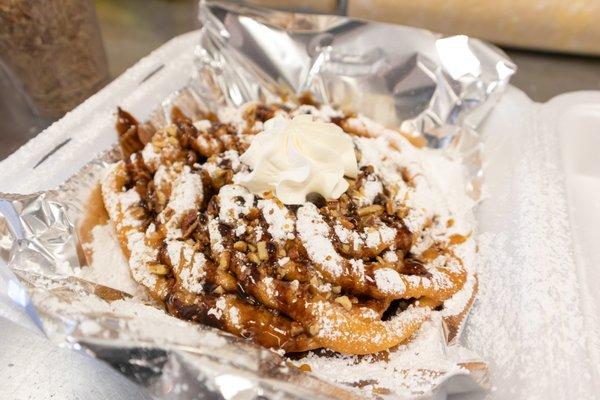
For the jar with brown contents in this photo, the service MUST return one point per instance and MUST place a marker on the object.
(52, 51)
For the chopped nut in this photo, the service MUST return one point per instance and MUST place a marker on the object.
(178, 167)
(314, 281)
(219, 178)
(344, 301)
(262, 250)
(138, 212)
(162, 199)
(373, 209)
(189, 223)
(252, 247)
(458, 239)
(158, 269)
(154, 238)
(281, 253)
(336, 289)
(346, 224)
(107, 293)
(157, 145)
(171, 130)
(313, 330)
(240, 246)
(381, 261)
(253, 214)
(296, 329)
(389, 207)
(403, 212)
(224, 260)
(219, 290)
(172, 140)
(254, 258)
(305, 368)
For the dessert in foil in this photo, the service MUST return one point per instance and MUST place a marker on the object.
(302, 228)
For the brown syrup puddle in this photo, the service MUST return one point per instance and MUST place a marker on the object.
(95, 214)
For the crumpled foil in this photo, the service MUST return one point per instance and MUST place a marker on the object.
(440, 88)
(399, 76)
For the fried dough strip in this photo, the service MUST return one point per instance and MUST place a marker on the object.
(372, 279)
(231, 314)
(345, 331)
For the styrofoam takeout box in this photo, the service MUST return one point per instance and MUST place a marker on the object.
(535, 318)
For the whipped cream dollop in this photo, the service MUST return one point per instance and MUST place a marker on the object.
(294, 157)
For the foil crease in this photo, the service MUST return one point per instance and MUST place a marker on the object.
(406, 78)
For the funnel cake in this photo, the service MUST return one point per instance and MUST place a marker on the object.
(358, 274)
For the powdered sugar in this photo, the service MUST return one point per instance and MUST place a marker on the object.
(370, 189)
(229, 157)
(389, 281)
(234, 316)
(129, 198)
(314, 233)
(219, 308)
(188, 263)
(358, 268)
(281, 223)
(202, 124)
(216, 240)
(141, 255)
(187, 192)
(235, 201)
(192, 276)
(151, 158)
(390, 256)
(108, 265)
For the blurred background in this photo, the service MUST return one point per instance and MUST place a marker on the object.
(56, 53)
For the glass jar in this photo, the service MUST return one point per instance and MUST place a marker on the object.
(52, 52)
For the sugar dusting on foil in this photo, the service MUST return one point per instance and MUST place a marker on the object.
(529, 319)
(108, 265)
(410, 369)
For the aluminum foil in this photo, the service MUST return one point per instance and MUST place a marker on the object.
(399, 76)
(437, 87)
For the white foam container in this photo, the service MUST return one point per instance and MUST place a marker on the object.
(535, 320)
